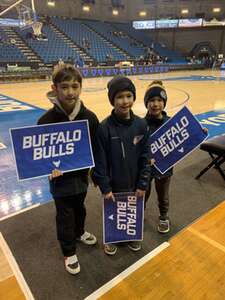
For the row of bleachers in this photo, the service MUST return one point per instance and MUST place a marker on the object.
(123, 41)
(100, 36)
(50, 50)
(77, 32)
(146, 40)
(8, 51)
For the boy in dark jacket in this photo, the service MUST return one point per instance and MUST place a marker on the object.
(121, 149)
(155, 101)
(69, 190)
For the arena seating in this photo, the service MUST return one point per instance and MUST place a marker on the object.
(106, 42)
(99, 47)
(123, 41)
(145, 39)
(49, 50)
(9, 51)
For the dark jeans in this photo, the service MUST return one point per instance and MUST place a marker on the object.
(162, 190)
(70, 218)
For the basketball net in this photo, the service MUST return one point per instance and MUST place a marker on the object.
(36, 26)
(25, 15)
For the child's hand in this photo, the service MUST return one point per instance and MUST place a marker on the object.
(109, 196)
(140, 193)
(151, 161)
(205, 130)
(55, 173)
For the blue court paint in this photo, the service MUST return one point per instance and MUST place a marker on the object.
(15, 196)
(195, 78)
(189, 78)
(213, 120)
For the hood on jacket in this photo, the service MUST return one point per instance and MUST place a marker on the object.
(51, 95)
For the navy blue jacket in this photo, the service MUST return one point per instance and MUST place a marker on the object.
(121, 155)
(153, 125)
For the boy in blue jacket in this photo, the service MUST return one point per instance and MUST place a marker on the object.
(121, 149)
(155, 100)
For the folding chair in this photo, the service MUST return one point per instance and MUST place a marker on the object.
(216, 149)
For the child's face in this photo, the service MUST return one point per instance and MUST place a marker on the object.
(123, 102)
(67, 93)
(155, 107)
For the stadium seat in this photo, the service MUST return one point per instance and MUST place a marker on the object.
(216, 149)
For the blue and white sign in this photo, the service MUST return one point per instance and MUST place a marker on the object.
(123, 218)
(175, 139)
(222, 67)
(40, 149)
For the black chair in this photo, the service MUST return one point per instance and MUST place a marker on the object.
(216, 149)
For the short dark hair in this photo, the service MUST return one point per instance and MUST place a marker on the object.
(66, 72)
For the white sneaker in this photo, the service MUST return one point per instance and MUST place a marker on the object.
(164, 226)
(88, 238)
(134, 245)
(72, 265)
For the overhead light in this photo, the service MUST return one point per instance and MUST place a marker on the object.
(51, 3)
(184, 11)
(86, 8)
(216, 9)
(142, 13)
(115, 12)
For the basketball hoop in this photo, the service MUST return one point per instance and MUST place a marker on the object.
(26, 13)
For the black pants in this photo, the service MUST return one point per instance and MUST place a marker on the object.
(162, 190)
(70, 218)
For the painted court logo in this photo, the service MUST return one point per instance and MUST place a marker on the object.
(8, 104)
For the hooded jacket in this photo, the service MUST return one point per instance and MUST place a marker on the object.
(121, 155)
(75, 182)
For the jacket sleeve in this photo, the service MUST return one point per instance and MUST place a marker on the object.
(144, 163)
(100, 175)
(93, 128)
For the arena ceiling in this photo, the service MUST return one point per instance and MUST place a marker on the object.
(128, 9)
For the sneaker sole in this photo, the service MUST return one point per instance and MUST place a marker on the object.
(110, 253)
(73, 272)
(134, 249)
(88, 243)
(164, 231)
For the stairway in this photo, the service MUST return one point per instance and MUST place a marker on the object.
(110, 44)
(31, 56)
(86, 57)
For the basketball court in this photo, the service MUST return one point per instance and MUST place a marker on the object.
(200, 246)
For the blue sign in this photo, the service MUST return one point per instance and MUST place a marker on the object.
(40, 149)
(123, 218)
(222, 67)
(175, 139)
